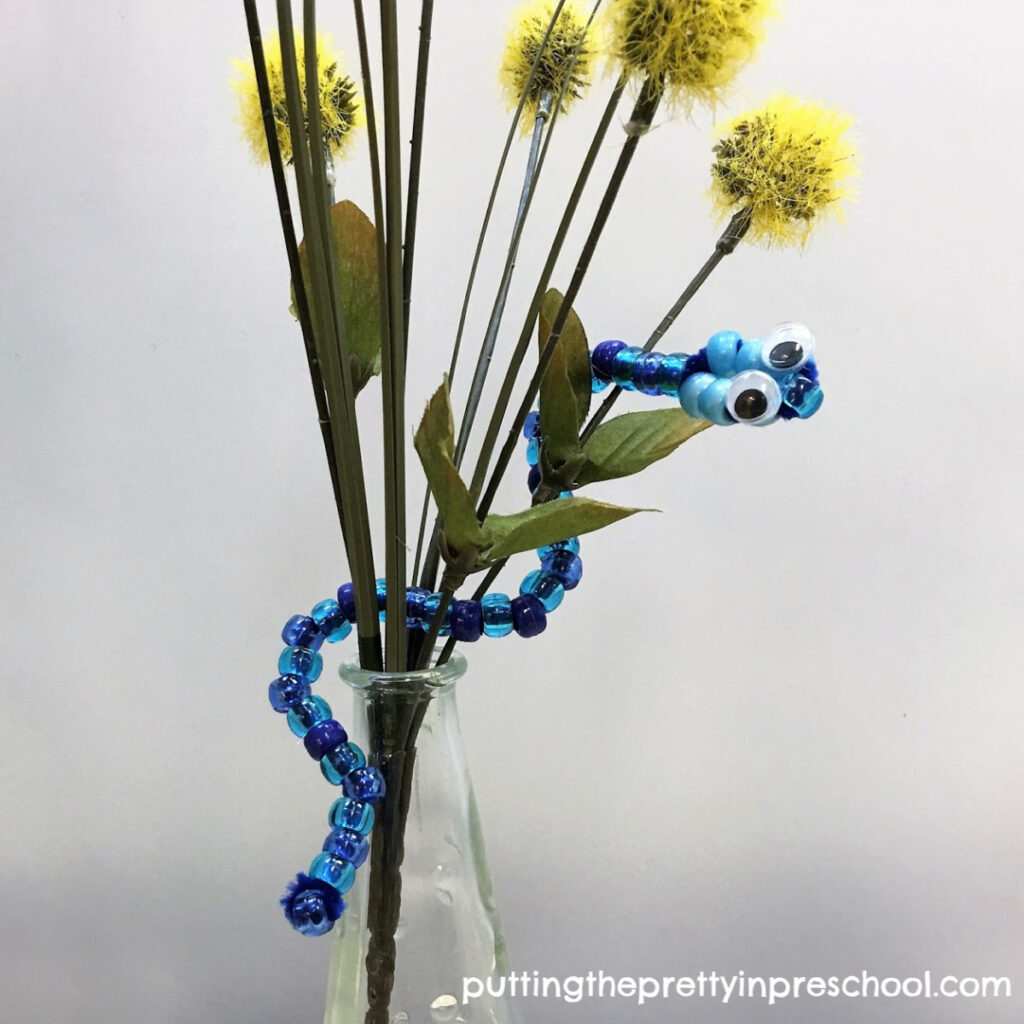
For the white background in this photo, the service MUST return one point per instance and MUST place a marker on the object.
(778, 729)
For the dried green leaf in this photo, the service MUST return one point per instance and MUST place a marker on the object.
(574, 347)
(545, 524)
(435, 445)
(630, 443)
(355, 240)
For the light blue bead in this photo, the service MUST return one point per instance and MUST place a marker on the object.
(334, 871)
(572, 544)
(430, 607)
(337, 763)
(354, 814)
(598, 384)
(722, 351)
(712, 402)
(690, 392)
(545, 587)
(301, 662)
(382, 598)
(749, 356)
(497, 613)
(332, 621)
(533, 452)
(307, 713)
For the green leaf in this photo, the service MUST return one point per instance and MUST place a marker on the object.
(574, 348)
(630, 443)
(545, 524)
(559, 412)
(435, 444)
(355, 240)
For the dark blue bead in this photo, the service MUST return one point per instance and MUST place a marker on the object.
(312, 905)
(533, 480)
(566, 566)
(531, 428)
(309, 914)
(528, 615)
(467, 621)
(348, 845)
(365, 784)
(324, 737)
(603, 356)
(645, 374)
(415, 602)
(286, 691)
(572, 544)
(347, 601)
(302, 631)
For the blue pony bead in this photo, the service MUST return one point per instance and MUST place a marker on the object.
(339, 761)
(624, 365)
(603, 357)
(334, 871)
(430, 607)
(382, 598)
(302, 631)
(415, 602)
(365, 784)
(528, 615)
(496, 611)
(332, 621)
(566, 567)
(533, 452)
(301, 662)
(646, 373)
(531, 428)
(544, 586)
(286, 691)
(323, 737)
(347, 845)
(467, 621)
(312, 905)
(351, 814)
(572, 544)
(347, 601)
(533, 478)
(307, 713)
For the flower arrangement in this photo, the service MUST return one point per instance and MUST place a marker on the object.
(776, 173)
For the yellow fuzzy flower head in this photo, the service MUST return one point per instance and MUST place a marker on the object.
(566, 63)
(789, 163)
(694, 47)
(340, 110)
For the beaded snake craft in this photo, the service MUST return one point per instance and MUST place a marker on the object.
(729, 381)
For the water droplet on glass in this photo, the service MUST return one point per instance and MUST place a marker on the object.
(444, 883)
(444, 1008)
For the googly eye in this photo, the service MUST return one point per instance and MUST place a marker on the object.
(787, 348)
(754, 399)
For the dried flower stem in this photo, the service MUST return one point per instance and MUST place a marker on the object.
(725, 246)
(292, 251)
(412, 203)
(310, 177)
(457, 347)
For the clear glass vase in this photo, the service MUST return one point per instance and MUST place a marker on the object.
(421, 916)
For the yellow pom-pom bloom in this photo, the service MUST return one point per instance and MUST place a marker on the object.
(340, 110)
(693, 47)
(789, 163)
(566, 63)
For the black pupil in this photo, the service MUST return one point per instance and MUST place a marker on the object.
(786, 355)
(751, 405)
